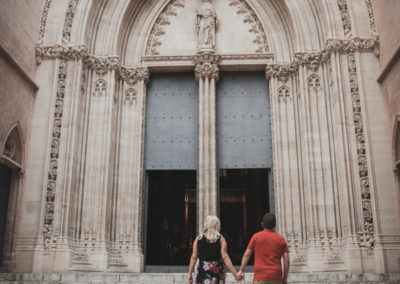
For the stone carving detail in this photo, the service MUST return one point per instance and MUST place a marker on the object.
(130, 97)
(100, 88)
(102, 64)
(164, 19)
(49, 237)
(256, 27)
(313, 60)
(206, 65)
(69, 52)
(43, 20)
(314, 81)
(206, 24)
(371, 16)
(283, 93)
(69, 18)
(281, 71)
(366, 235)
(354, 44)
(133, 75)
(344, 13)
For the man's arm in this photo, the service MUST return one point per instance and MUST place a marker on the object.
(245, 259)
(193, 260)
(286, 265)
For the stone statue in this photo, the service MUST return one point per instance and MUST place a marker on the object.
(206, 23)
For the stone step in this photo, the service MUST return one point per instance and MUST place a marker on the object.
(181, 278)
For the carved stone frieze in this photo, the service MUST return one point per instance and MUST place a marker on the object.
(69, 18)
(133, 75)
(366, 235)
(102, 64)
(49, 238)
(43, 20)
(371, 16)
(313, 60)
(69, 52)
(163, 19)
(354, 44)
(249, 17)
(344, 13)
(206, 65)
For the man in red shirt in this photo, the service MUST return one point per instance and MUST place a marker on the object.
(268, 247)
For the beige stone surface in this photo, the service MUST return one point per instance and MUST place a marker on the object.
(80, 201)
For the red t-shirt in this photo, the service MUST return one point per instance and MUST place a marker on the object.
(268, 248)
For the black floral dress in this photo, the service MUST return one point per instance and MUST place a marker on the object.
(211, 269)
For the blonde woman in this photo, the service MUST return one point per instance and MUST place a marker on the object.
(211, 249)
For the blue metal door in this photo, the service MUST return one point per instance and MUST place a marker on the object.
(243, 121)
(172, 122)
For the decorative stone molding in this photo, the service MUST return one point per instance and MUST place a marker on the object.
(366, 235)
(43, 20)
(206, 65)
(163, 19)
(130, 97)
(344, 13)
(371, 16)
(256, 27)
(313, 60)
(354, 44)
(49, 236)
(314, 81)
(102, 64)
(281, 71)
(69, 18)
(64, 52)
(100, 88)
(283, 93)
(132, 75)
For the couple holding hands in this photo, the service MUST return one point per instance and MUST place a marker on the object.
(268, 248)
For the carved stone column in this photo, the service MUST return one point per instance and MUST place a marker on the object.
(207, 75)
(127, 250)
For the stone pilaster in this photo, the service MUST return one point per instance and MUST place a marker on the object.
(127, 252)
(207, 75)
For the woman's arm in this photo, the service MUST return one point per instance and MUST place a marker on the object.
(245, 259)
(193, 260)
(227, 259)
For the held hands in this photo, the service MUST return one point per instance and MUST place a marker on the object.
(239, 276)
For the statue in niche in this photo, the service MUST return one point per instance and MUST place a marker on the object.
(206, 22)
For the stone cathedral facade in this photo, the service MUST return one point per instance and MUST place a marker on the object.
(147, 116)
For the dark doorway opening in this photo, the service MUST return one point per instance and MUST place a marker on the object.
(171, 217)
(244, 199)
(5, 182)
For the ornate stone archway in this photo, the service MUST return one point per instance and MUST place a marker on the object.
(314, 57)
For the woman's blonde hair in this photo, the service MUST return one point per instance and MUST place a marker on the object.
(211, 229)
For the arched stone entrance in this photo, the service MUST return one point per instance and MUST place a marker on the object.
(313, 56)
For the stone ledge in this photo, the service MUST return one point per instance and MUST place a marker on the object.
(177, 278)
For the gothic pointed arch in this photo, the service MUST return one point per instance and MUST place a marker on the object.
(12, 148)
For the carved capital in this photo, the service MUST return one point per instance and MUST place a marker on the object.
(312, 60)
(65, 52)
(281, 71)
(207, 70)
(133, 75)
(102, 64)
(206, 65)
(353, 44)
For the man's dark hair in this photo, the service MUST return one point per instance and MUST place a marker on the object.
(269, 221)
